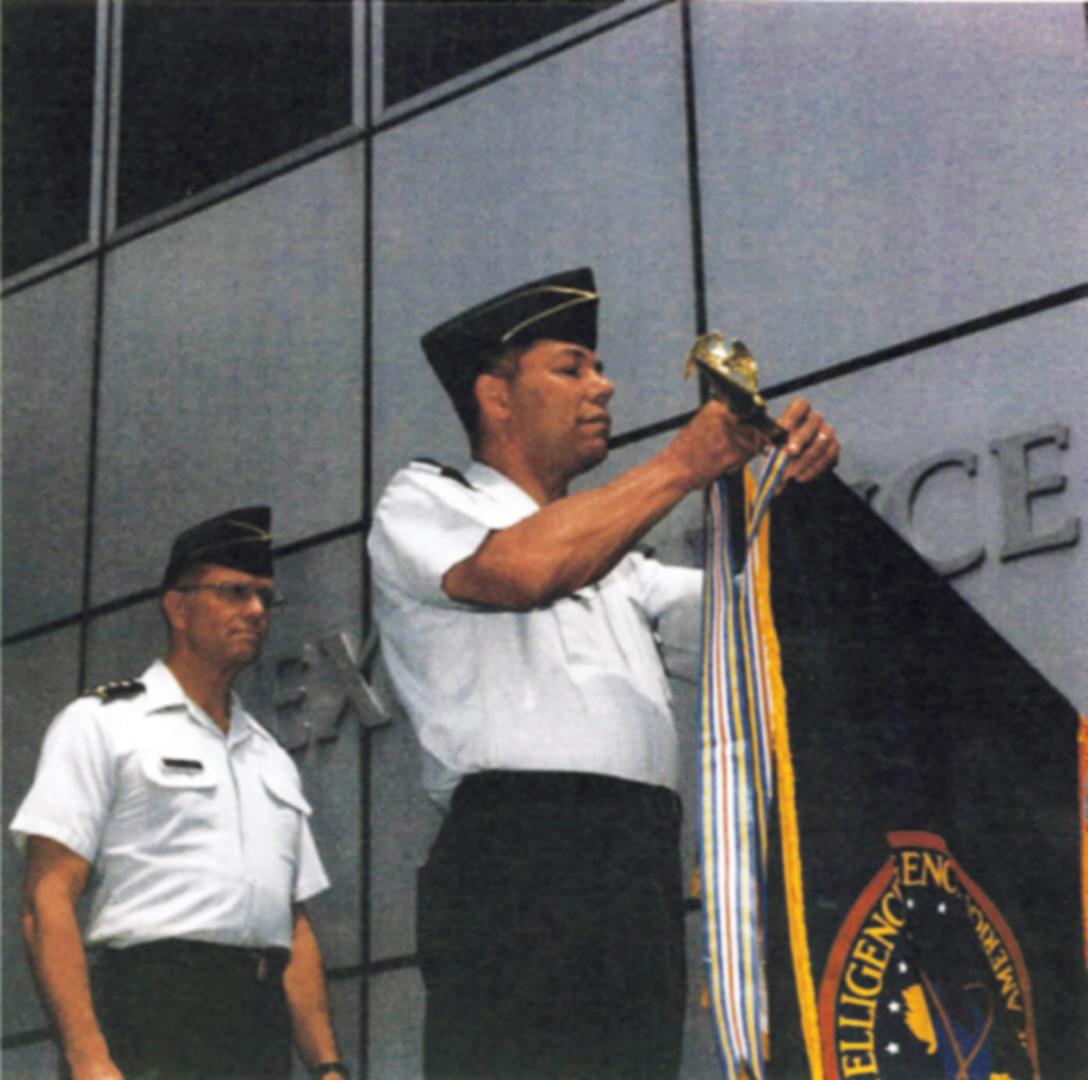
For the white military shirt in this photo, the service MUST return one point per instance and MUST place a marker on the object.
(192, 834)
(575, 686)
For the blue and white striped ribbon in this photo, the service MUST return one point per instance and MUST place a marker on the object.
(736, 779)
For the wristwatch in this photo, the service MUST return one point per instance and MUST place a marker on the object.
(330, 1068)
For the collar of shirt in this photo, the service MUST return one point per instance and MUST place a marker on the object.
(501, 488)
(164, 693)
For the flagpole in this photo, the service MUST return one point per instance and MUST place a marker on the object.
(742, 709)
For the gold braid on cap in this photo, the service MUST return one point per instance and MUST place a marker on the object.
(577, 296)
(260, 537)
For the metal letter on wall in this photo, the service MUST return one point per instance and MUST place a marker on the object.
(903, 494)
(316, 689)
(1018, 488)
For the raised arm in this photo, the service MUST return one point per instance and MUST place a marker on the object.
(54, 881)
(574, 541)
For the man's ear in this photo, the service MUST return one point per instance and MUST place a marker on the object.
(493, 396)
(173, 606)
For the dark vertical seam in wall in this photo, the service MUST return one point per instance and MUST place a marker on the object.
(698, 267)
(365, 755)
(734, 488)
(368, 305)
(96, 349)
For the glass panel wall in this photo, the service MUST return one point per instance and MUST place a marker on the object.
(48, 87)
(211, 88)
(430, 41)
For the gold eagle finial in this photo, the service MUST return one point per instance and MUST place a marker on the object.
(732, 376)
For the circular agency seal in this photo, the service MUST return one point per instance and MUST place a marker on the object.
(925, 980)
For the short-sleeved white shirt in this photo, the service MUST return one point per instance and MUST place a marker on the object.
(574, 686)
(190, 833)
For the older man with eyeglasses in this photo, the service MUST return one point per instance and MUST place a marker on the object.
(186, 824)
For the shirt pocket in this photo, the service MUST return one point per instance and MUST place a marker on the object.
(579, 627)
(177, 771)
(287, 813)
(591, 626)
(177, 799)
(287, 791)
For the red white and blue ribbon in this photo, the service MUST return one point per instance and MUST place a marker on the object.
(737, 777)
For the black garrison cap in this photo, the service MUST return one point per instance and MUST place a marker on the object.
(562, 307)
(239, 539)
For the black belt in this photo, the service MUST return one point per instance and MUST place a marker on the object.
(485, 791)
(258, 965)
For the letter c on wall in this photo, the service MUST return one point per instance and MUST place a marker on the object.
(903, 493)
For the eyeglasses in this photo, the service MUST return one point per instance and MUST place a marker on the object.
(240, 593)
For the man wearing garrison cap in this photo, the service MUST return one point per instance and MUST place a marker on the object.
(518, 625)
(185, 823)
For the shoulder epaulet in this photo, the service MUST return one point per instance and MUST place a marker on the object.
(114, 691)
(444, 470)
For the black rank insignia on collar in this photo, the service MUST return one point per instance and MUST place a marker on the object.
(445, 470)
(116, 691)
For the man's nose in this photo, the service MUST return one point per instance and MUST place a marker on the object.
(257, 606)
(603, 388)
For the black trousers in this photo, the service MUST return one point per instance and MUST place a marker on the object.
(551, 931)
(185, 1010)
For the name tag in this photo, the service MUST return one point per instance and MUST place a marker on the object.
(184, 764)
